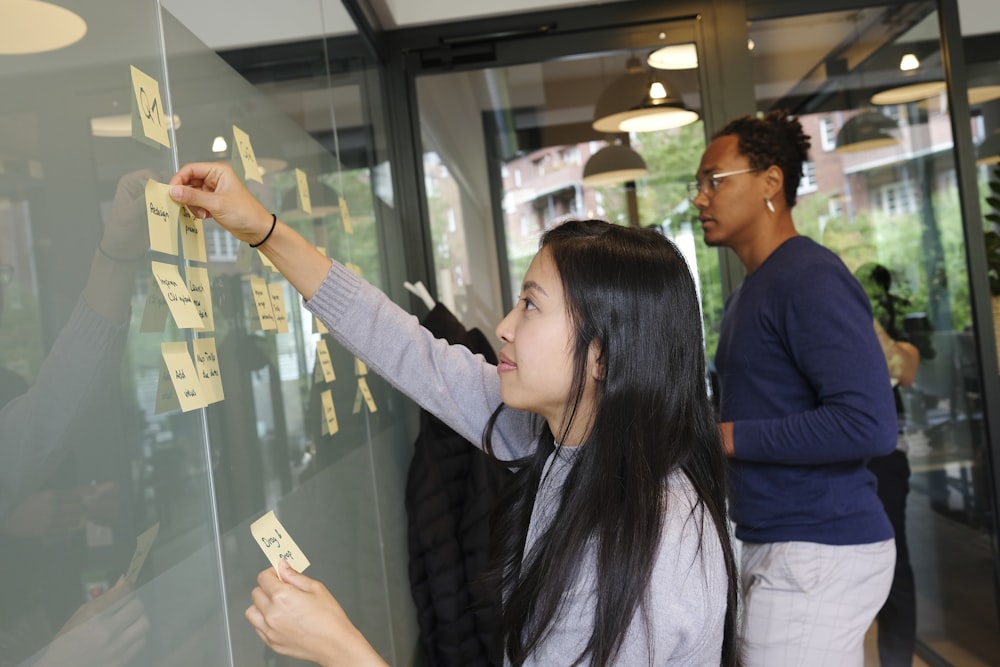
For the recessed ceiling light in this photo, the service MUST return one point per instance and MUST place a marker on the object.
(33, 26)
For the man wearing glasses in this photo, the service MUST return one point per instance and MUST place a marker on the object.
(805, 402)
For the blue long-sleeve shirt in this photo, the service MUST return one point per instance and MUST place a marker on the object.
(805, 383)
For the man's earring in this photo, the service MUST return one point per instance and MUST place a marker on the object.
(769, 205)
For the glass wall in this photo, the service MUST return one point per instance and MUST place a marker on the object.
(528, 158)
(162, 388)
(881, 190)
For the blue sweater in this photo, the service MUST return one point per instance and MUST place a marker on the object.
(804, 381)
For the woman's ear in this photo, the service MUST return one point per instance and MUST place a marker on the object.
(595, 362)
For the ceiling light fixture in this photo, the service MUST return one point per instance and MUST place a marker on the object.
(627, 105)
(33, 26)
(909, 62)
(614, 163)
(913, 92)
(866, 131)
(674, 57)
(219, 144)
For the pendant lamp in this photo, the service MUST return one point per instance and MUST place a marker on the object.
(614, 163)
(640, 101)
(866, 131)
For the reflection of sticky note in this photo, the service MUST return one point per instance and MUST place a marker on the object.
(144, 543)
(318, 326)
(183, 375)
(155, 312)
(244, 257)
(192, 236)
(277, 544)
(206, 363)
(325, 362)
(359, 367)
(345, 215)
(166, 397)
(330, 425)
(262, 301)
(201, 293)
(366, 393)
(247, 159)
(161, 216)
(302, 187)
(278, 306)
(147, 109)
(176, 294)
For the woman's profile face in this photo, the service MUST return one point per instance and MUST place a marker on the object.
(536, 359)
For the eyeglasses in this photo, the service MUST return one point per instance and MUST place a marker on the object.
(711, 184)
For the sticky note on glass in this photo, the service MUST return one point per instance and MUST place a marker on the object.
(201, 293)
(155, 312)
(262, 301)
(192, 236)
(366, 393)
(330, 425)
(318, 326)
(277, 544)
(206, 363)
(353, 268)
(360, 368)
(144, 543)
(302, 187)
(176, 294)
(147, 110)
(246, 158)
(183, 375)
(325, 362)
(161, 216)
(278, 307)
(266, 261)
(345, 215)
(166, 397)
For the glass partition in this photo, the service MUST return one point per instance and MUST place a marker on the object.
(127, 491)
(528, 157)
(881, 190)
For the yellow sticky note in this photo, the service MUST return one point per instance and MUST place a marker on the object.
(143, 545)
(192, 236)
(353, 268)
(345, 215)
(358, 399)
(177, 296)
(318, 326)
(325, 362)
(278, 307)
(266, 262)
(329, 413)
(201, 292)
(147, 109)
(166, 397)
(206, 363)
(277, 544)
(247, 159)
(366, 392)
(262, 300)
(155, 312)
(161, 216)
(183, 375)
(305, 204)
(360, 368)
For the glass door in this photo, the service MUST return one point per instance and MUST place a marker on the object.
(606, 125)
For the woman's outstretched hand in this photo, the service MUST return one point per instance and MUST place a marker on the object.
(296, 616)
(213, 190)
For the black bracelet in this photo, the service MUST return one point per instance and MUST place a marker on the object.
(121, 260)
(274, 221)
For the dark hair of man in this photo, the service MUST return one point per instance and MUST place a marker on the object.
(631, 292)
(775, 139)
